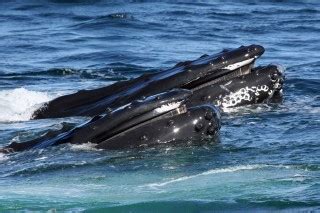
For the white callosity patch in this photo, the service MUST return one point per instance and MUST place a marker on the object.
(167, 107)
(19, 104)
(243, 94)
(239, 64)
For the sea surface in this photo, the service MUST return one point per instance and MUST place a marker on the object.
(267, 157)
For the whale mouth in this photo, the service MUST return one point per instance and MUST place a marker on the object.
(261, 84)
(161, 118)
(240, 67)
(238, 82)
(177, 103)
(232, 64)
(202, 73)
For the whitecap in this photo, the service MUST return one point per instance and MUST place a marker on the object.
(3, 157)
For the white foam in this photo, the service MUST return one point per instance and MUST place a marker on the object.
(84, 147)
(19, 104)
(216, 171)
(3, 157)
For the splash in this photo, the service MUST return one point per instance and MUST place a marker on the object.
(19, 104)
(3, 157)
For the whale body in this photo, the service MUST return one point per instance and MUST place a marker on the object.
(159, 119)
(227, 64)
(170, 106)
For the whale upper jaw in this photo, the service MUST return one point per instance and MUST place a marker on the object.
(231, 59)
(240, 64)
(227, 64)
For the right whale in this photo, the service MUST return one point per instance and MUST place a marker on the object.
(227, 79)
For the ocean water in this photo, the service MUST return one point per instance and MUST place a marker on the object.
(267, 157)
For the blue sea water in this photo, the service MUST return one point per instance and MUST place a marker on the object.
(268, 156)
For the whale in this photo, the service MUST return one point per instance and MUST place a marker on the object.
(163, 118)
(202, 73)
(167, 107)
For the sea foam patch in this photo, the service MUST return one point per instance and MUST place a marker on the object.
(19, 104)
(3, 157)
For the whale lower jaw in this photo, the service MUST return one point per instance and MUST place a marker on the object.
(160, 119)
(183, 125)
(253, 86)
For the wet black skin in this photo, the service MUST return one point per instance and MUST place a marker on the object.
(137, 124)
(195, 123)
(261, 84)
(184, 75)
(125, 118)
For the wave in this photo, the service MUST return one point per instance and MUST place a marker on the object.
(50, 72)
(216, 171)
(114, 20)
(287, 11)
(307, 88)
(211, 206)
(94, 21)
(44, 167)
(112, 71)
(19, 104)
(85, 18)
(60, 72)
